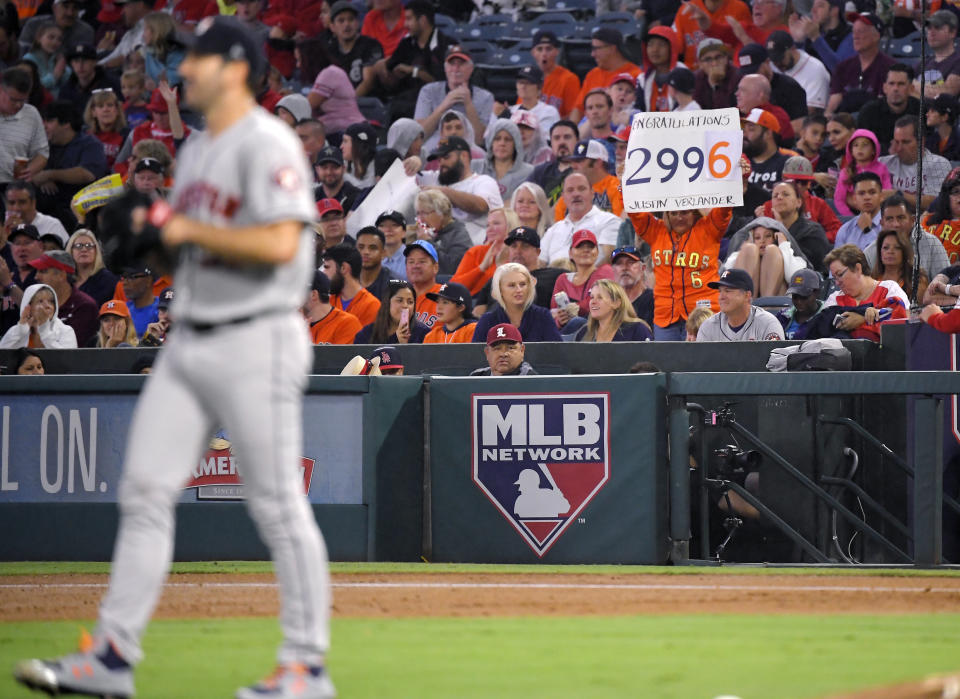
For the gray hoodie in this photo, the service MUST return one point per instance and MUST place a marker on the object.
(519, 173)
(296, 105)
(54, 334)
(403, 132)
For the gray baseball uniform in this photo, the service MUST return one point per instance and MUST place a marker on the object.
(238, 360)
(760, 325)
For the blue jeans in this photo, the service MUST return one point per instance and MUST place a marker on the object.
(675, 332)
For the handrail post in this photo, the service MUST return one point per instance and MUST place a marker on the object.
(927, 481)
(679, 481)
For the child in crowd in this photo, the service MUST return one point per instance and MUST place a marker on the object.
(105, 121)
(812, 134)
(46, 55)
(454, 314)
(697, 318)
(861, 156)
(133, 84)
(162, 53)
(623, 92)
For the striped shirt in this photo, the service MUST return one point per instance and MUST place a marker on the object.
(21, 136)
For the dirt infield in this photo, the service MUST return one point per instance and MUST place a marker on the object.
(55, 597)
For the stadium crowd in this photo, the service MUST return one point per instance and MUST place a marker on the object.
(501, 203)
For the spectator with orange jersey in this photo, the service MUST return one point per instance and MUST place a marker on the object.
(328, 325)
(342, 264)
(606, 44)
(561, 87)
(455, 319)
(698, 19)
(685, 251)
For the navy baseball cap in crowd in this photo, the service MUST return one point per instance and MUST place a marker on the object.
(632, 251)
(751, 57)
(546, 37)
(151, 164)
(608, 35)
(329, 154)
(424, 245)
(944, 103)
(804, 283)
(682, 80)
(394, 216)
(454, 143)
(86, 51)
(734, 279)
(27, 229)
(524, 234)
(504, 332)
(531, 74)
(458, 293)
(226, 37)
(389, 357)
(778, 43)
(342, 6)
(166, 298)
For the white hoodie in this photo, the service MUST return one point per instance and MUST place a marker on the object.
(55, 334)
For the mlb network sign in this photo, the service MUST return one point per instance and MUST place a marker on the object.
(540, 458)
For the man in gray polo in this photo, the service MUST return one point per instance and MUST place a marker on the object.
(738, 320)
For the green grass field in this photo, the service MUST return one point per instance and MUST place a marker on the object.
(631, 656)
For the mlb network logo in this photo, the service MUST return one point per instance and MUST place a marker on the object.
(540, 458)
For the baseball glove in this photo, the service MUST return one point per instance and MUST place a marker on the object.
(130, 231)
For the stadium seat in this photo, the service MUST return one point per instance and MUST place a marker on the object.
(623, 22)
(374, 111)
(444, 23)
(559, 23)
(907, 47)
(480, 50)
(499, 20)
(486, 32)
(581, 8)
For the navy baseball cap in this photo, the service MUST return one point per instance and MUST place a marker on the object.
(525, 234)
(321, 282)
(546, 37)
(751, 57)
(734, 279)
(454, 143)
(531, 74)
(458, 293)
(86, 51)
(394, 216)
(682, 80)
(608, 35)
(228, 38)
(424, 245)
(166, 298)
(389, 357)
(329, 154)
(27, 229)
(804, 283)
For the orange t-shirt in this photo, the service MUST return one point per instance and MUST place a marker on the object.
(682, 265)
(948, 232)
(606, 197)
(364, 306)
(440, 334)
(468, 271)
(561, 88)
(601, 78)
(691, 35)
(336, 328)
(159, 284)
(426, 309)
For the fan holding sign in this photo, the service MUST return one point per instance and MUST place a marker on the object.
(687, 165)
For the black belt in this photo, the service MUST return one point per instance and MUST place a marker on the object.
(208, 327)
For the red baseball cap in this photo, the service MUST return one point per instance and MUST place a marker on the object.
(761, 117)
(583, 236)
(115, 308)
(157, 103)
(325, 206)
(55, 259)
(622, 134)
(624, 78)
(504, 332)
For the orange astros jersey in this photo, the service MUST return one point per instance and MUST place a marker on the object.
(682, 265)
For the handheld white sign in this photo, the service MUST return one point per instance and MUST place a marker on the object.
(683, 160)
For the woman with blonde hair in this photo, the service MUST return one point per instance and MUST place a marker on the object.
(612, 318)
(162, 51)
(93, 278)
(530, 202)
(479, 262)
(106, 122)
(514, 289)
(116, 326)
